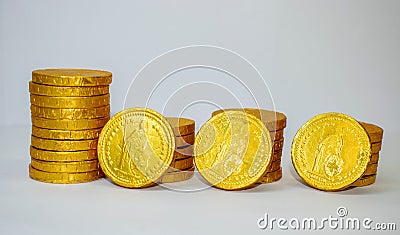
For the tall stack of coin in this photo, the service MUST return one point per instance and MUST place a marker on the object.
(69, 108)
(275, 123)
(182, 167)
(375, 134)
(333, 151)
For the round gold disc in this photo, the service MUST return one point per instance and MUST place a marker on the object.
(45, 90)
(71, 77)
(331, 151)
(232, 150)
(63, 177)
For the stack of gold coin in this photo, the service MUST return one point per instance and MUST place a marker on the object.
(182, 166)
(275, 123)
(333, 151)
(69, 108)
(375, 134)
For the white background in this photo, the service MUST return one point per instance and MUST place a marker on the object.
(316, 56)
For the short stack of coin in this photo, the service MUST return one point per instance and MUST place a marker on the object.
(275, 123)
(69, 108)
(182, 166)
(375, 134)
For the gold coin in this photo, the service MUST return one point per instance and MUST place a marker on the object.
(273, 166)
(73, 113)
(376, 147)
(63, 145)
(136, 147)
(271, 177)
(273, 120)
(371, 169)
(70, 102)
(64, 177)
(364, 181)
(232, 150)
(69, 167)
(181, 153)
(331, 151)
(58, 156)
(181, 126)
(182, 164)
(66, 134)
(177, 176)
(374, 132)
(69, 124)
(184, 140)
(39, 89)
(72, 77)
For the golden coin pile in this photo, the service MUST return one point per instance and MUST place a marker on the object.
(182, 166)
(333, 151)
(69, 108)
(139, 147)
(275, 122)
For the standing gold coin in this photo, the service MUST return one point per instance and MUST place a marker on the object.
(73, 113)
(65, 134)
(69, 124)
(39, 89)
(181, 126)
(331, 151)
(136, 147)
(232, 150)
(70, 102)
(273, 120)
(63, 145)
(64, 177)
(69, 167)
(59, 156)
(72, 77)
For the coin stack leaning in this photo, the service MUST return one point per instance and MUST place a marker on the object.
(69, 108)
(275, 123)
(375, 134)
(333, 152)
(182, 166)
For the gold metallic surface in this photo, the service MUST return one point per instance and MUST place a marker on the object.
(64, 178)
(364, 181)
(184, 140)
(277, 145)
(271, 177)
(182, 163)
(276, 135)
(72, 113)
(273, 120)
(375, 133)
(47, 155)
(274, 166)
(371, 169)
(65, 134)
(63, 145)
(183, 152)
(136, 147)
(45, 90)
(331, 151)
(376, 147)
(232, 150)
(181, 126)
(69, 167)
(72, 77)
(69, 124)
(70, 102)
(177, 176)
(374, 158)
